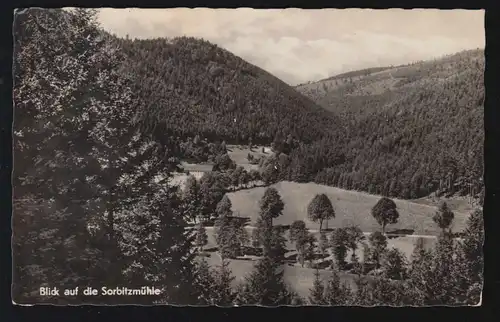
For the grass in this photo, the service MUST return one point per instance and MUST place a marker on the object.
(460, 204)
(351, 208)
(195, 167)
(239, 155)
(301, 278)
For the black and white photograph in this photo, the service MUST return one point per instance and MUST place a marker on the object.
(248, 157)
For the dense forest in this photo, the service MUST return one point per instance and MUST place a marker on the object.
(411, 130)
(193, 87)
(405, 131)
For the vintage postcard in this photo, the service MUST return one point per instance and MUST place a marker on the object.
(239, 157)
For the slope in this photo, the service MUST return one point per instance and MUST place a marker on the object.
(412, 130)
(192, 87)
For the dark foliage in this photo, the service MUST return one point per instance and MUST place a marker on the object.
(409, 131)
(444, 217)
(196, 88)
(320, 209)
(385, 212)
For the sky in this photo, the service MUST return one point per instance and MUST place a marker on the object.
(299, 45)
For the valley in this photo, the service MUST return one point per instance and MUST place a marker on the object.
(172, 162)
(352, 208)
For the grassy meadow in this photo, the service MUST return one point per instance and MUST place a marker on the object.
(351, 208)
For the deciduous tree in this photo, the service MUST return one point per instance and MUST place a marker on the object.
(271, 205)
(444, 217)
(297, 229)
(319, 209)
(385, 212)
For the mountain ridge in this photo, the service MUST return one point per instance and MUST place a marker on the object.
(374, 133)
(202, 89)
(404, 112)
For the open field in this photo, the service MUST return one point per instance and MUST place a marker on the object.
(351, 207)
(239, 155)
(460, 204)
(195, 167)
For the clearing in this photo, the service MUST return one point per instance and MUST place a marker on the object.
(351, 208)
(239, 155)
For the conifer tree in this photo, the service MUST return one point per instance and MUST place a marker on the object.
(212, 191)
(87, 150)
(336, 293)
(192, 199)
(265, 286)
(222, 289)
(159, 249)
(45, 137)
(378, 243)
(271, 206)
(305, 248)
(394, 264)
(472, 245)
(201, 236)
(363, 294)
(317, 293)
(90, 155)
(223, 208)
(230, 233)
(204, 283)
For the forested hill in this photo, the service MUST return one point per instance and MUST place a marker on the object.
(404, 131)
(194, 87)
(413, 129)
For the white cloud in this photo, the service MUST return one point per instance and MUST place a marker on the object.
(301, 45)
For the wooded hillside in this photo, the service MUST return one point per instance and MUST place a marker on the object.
(197, 88)
(413, 129)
